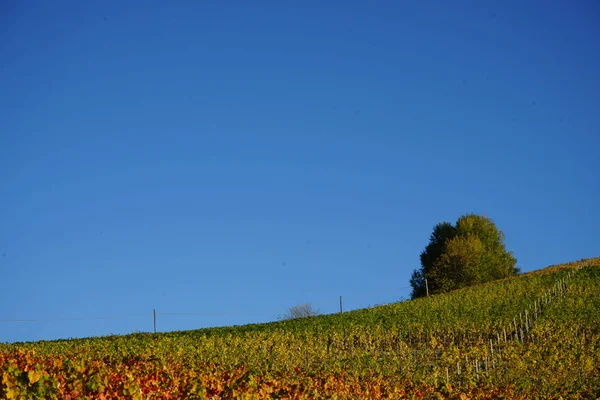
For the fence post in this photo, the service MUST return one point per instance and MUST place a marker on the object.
(154, 320)
(426, 287)
(341, 310)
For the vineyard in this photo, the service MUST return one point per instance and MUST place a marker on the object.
(532, 336)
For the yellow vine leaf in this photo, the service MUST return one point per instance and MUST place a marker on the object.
(33, 376)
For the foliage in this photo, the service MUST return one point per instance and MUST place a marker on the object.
(470, 252)
(531, 336)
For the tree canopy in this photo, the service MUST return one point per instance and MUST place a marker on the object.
(470, 252)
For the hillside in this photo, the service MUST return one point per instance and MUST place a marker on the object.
(535, 335)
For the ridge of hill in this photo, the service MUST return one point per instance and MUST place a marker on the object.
(533, 335)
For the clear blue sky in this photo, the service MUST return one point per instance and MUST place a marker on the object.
(235, 158)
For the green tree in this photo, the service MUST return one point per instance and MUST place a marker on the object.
(442, 232)
(470, 252)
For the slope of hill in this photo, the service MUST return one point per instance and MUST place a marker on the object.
(535, 335)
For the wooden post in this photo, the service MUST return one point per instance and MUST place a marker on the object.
(341, 310)
(154, 320)
(426, 287)
(522, 338)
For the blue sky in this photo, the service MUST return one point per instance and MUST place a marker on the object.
(234, 158)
